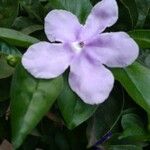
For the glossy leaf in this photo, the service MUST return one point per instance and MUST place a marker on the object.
(16, 38)
(81, 8)
(8, 12)
(30, 101)
(105, 118)
(73, 109)
(142, 37)
(136, 80)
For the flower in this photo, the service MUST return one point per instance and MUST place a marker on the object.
(85, 49)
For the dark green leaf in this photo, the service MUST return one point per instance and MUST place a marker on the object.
(142, 37)
(8, 12)
(105, 117)
(136, 80)
(16, 38)
(30, 100)
(81, 8)
(73, 109)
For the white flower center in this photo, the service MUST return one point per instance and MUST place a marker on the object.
(77, 46)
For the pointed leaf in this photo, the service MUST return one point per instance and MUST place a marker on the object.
(136, 80)
(16, 38)
(30, 101)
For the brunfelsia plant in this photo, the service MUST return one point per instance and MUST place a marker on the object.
(85, 48)
(50, 108)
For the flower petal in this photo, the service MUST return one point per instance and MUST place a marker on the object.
(104, 14)
(92, 82)
(45, 60)
(113, 49)
(61, 25)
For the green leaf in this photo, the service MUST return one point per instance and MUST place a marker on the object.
(105, 118)
(136, 80)
(130, 5)
(30, 101)
(133, 128)
(73, 109)
(16, 38)
(8, 12)
(142, 37)
(81, 8)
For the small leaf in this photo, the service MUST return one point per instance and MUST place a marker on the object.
(30, 101)
(16, 38)
(81, 8)
(73, 109)
(136, 80)
(142, 37)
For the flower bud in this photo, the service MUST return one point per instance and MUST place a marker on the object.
(12, 60)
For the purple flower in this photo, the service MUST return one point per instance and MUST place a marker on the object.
(85, 49)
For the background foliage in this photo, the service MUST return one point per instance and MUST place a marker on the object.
(46, 114)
